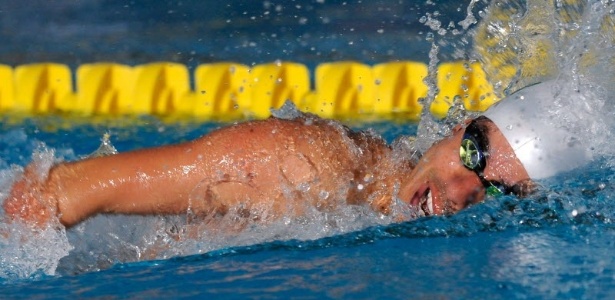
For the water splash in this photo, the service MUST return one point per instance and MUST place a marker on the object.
(31, 253)
(432, 129)
(26, 251)
(106, 240)
(105, 148)
(523, 42)
(519, 43)
(288, 111)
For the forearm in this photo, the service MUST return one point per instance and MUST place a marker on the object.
(141, 182)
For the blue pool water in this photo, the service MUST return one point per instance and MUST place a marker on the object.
(194, 32)
(571, 261)
(556, 244)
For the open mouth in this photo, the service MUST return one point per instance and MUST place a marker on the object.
(426, 203)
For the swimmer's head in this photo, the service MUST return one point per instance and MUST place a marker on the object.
(543, 146)
(519, 140)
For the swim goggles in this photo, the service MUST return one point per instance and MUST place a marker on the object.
(473, 153)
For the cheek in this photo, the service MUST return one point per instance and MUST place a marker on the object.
(459, 192)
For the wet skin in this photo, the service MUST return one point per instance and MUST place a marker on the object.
(278, 166)
(453, 186)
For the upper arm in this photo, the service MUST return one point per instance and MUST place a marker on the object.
(276, 165)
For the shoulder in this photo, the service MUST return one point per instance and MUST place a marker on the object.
(304, 127)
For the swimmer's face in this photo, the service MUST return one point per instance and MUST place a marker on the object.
(442, 183)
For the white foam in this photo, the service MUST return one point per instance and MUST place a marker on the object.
(26, 252)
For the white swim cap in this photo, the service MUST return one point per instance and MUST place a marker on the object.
(527, 121)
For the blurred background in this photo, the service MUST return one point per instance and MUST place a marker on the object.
(192, 32)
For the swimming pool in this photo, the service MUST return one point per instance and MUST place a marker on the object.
(557, 244)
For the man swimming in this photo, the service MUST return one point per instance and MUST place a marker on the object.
(276, 167)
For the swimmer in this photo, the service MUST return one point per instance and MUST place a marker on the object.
(280, 163)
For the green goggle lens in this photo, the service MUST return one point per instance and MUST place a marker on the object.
(493, 190)
(469, 154)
